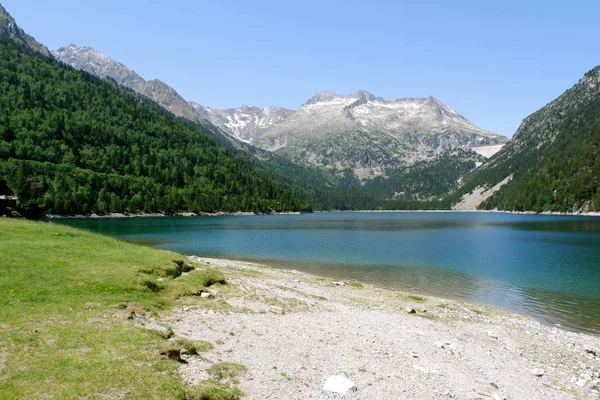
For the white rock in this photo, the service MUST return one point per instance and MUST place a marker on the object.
(538, 372)
(338, 283)
(492, 335)
(580, 382)
(339, 384)
(207, 295)
(410, 310)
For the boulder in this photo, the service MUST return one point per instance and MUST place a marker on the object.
(339, 384)
(207, 295)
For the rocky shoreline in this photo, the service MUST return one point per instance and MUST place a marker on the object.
(245, 214)
(299, 334)
(182, 214)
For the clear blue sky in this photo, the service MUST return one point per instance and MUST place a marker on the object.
(493, 61)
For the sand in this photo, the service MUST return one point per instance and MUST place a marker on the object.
(293, 330)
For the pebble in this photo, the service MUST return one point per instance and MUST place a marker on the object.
(538, 372)
(492, 335)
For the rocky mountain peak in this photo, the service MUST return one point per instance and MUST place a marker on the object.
(321, 97)
(361, 96)
(10, 29)
(364, 95)
(96, 63)
(369, 134)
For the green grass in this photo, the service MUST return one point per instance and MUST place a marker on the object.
(213, 390)
(226, 370)
(64, 297)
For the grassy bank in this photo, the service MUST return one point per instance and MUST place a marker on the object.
(69, 301)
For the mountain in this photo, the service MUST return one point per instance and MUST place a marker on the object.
(361, 132)
(73, 143)
(552, 162)
(245, 123)
(10, 29)
(369, 134)
(96, 63)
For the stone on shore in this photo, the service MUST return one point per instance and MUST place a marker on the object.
(538, 372)
(339, 384)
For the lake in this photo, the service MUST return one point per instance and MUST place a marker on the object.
(546, 266)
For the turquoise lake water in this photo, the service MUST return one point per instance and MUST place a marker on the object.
(540, 265)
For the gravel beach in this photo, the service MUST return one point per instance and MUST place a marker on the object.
(293, 331)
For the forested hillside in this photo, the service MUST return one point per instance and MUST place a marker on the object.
(73, 143)
(426, 179)
(553, 158)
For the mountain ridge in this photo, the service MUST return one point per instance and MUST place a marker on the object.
(97, 63)
(369, 134)
(551, 163)
(10, 29)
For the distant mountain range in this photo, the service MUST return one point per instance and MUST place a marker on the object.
(364, 133)
(369, 134)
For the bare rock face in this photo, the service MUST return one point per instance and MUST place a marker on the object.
(358, 131)
(92, 61)
(245, 123)
(10, 29)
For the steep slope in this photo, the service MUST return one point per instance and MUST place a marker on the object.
(369, 134)
(10, 29)
(73, 143)
(245, 123)
(552, 162)
(92, 61)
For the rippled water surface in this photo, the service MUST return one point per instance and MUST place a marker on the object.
(544, 266)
